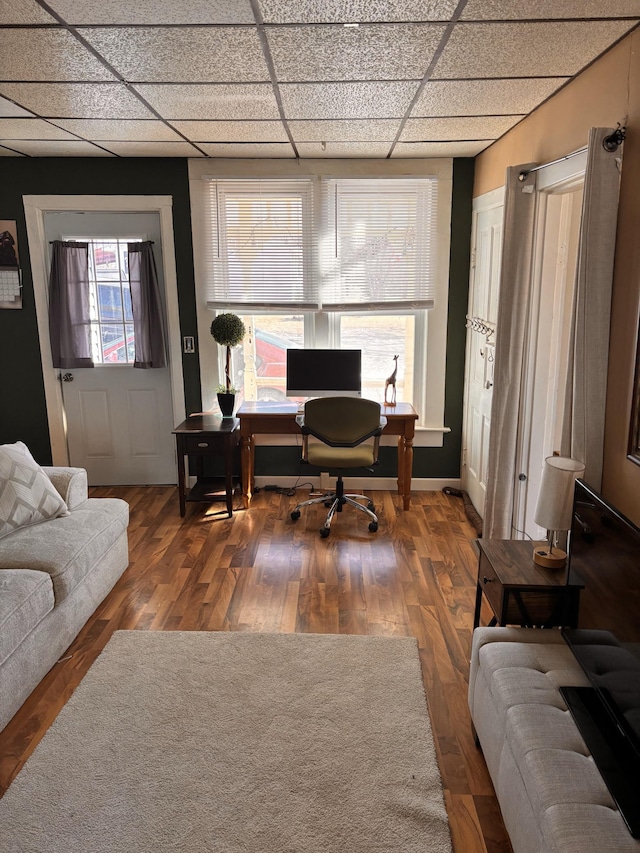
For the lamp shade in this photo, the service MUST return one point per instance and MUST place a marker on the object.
(555, 499)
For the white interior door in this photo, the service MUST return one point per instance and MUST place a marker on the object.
(119, 419)
(483, 308)
(557, 237)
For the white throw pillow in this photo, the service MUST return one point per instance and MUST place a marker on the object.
(27, 495)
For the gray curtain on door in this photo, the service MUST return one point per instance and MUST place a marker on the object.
(69, 317)
(512, 321)
(146, 305)
(586, 392)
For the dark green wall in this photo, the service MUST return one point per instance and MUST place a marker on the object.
(22, 403)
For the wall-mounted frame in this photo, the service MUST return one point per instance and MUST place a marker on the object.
(634, 430)
(10, 272)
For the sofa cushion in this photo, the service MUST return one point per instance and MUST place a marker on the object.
(25, 599)
(27, 495)
(67, 548)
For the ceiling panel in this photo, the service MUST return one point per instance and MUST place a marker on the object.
(344, 149)
(497, 10)
(30, 128)
(247, 149)
(154, 11)
(233, 101)
(23, 12)
(347, 100)
(76, 100)
(53, 55)
(339, 11)
(7, 152)
(473, 127)
(55, 148)
(439, 149)
(484, 97)
(559, 48)
(183, 54)
(152, 149)
(354, 130)
(371, 52)
(228, 131)
(7, 108)
(131, 130)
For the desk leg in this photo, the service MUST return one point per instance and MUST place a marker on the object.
(246, 461)
(228, 474)
(181, 478)
(405, 469)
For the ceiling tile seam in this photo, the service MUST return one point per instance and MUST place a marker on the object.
(15, 150)
(111, 69)
(266, 52)
(446, 35)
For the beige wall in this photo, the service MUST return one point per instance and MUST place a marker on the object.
(606, 93)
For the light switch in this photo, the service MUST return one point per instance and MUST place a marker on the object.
(188, 344)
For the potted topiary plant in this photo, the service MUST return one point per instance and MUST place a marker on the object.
(228, 331)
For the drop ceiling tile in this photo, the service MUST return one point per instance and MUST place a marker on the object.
(71, 100)
(240, 131)
(362, 150)
(439, 149)
(344, 131)
(131, 130)
(47, 54)
(213, 101)
(558, 48)
(497, 10)
(182, 54)
(54, 148)
(451, 128)
(484, 97)
(24, 12)
(152, 149)
(248, 149)
(30, 128)
(11, 110)
(347, 100)
(338, 11)
(154, 12)
(7, 152)
(372, 51)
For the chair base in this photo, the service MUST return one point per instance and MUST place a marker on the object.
(335, 501)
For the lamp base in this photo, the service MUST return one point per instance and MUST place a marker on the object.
(550, 558)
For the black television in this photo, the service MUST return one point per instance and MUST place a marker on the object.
(324, 372)
(604, 553)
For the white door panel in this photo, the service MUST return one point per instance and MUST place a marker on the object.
(119, 425)
(483, 301)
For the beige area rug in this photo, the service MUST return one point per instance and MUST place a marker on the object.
(236, 743)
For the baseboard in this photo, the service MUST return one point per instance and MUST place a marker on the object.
(418, 484)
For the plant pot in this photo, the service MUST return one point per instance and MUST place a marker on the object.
(227, 404)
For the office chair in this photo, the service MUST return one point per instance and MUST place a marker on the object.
(341, 425)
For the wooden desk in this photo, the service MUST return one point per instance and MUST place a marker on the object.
(280, 419)
(200, 436)
(520, 592)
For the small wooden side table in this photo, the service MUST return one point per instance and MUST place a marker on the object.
(520, 592)
(201, 436)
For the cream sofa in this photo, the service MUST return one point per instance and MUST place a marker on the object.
(552, 797)
(53, 575)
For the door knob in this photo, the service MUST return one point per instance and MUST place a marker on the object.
(67, 377)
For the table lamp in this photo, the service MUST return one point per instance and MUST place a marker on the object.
(554, 507)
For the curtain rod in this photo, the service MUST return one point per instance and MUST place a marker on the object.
(609, 143)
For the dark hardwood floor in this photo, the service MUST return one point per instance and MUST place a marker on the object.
(258, 571)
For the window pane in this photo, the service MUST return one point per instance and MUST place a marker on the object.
(126, 293)
(110, 302)
(260, 364)
(113, 344)
(380, 337)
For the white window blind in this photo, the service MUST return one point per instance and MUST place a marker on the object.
(379, 244)
(260, 245)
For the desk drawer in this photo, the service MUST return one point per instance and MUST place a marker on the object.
(207, 443)
(490, 584)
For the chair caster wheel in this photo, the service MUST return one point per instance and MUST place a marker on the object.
(373, 526)
(324, 532)
(328, 504)
(371, 507)
(295, 515)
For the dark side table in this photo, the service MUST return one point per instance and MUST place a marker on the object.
(201, 436)
(519, 591)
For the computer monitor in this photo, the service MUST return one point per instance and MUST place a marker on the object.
(324, 373)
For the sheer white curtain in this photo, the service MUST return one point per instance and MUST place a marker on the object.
(511, 327)
(586, 391)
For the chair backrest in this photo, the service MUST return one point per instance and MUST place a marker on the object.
(342, 420)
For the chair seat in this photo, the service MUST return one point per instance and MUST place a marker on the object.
(323, 456)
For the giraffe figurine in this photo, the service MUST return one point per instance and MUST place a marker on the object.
(391, 381)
